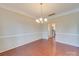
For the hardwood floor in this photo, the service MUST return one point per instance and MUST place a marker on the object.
(43, 48)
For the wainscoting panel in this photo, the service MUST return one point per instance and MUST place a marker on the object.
(45, 35)
(12, 41)
(66, 38)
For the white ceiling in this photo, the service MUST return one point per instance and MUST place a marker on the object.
(33, 9)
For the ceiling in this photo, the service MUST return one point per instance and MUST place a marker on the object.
(34, 9)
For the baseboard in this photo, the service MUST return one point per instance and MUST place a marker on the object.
(66, 44)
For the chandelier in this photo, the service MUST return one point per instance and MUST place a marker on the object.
(41, 19)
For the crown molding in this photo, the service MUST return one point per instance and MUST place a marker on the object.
(19, 12)
(51, 17)
(65, 13)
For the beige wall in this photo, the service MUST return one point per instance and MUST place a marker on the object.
(17, 29)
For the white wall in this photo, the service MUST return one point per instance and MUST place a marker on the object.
(67, 29)
(17, 30)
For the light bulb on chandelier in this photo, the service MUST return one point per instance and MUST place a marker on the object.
(45, 19)
(41, 19)
(37, 21)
